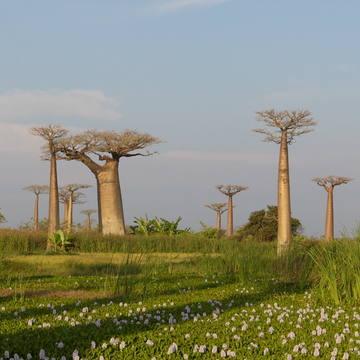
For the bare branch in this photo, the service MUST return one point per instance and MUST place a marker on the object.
(105, 145)
(231, 190)
(292, 123)
(77, 197)
(72, 188)
(329, 182)
(50, 132)
(217, 207)
(37, 189)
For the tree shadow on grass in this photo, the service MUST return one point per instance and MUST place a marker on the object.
(79, 337)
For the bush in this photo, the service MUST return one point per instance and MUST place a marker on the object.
(262, 225)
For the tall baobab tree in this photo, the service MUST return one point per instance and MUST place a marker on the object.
(329, 183)
(230, 191)
(219, 209)
(101, 152)
(282, 128)
(37, 190)
(51, 134)
(88, 213)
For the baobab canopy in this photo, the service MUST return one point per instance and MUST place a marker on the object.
(331, 181)
(106, 145)
(293, 123)
(101, 152)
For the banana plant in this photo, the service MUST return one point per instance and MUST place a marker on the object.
(60, 241)
(144, 226)
(157, 225)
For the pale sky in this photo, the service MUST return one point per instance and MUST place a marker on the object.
(192, 72)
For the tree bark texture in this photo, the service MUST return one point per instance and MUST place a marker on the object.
(36, 213)
(284, 204)
(112, 214)
(230, 218)
(329, 226)
(218, 220)
(99, 203)
(53, 199)
(69, 223)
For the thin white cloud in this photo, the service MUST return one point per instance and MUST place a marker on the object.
(16, 138)
(177, 5)
(27, 106)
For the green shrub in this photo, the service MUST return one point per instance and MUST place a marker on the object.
(146, 226)
(262, 225)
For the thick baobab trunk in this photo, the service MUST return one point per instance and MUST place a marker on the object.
(230, 218)
(112, 214)
(99, 204)
(218, 221)
(69, 222)
(329, 227)
(36, 212)
(53, 198)
(284, 205)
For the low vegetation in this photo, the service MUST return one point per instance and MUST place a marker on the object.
(186, 295)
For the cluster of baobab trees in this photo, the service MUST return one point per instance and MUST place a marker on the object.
(282, 127)
(101, 151)
(69, 195)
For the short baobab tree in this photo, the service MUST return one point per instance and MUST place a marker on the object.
(72, 190)
(37, 190)
(51, 134)
(64, 199)
(219, 209)
(230, 191)
(329, 183)
(88, 213)
(69, 196)
(101, 152)
(282, 128)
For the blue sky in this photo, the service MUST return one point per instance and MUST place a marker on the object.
(192, 72)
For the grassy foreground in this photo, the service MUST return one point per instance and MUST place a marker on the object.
(235, 303)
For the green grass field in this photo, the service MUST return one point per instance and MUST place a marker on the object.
(239, 302)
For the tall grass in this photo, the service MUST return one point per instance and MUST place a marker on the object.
(16, 242)
(333, 269)
(19, 242)
(336, 271)
(185, 243)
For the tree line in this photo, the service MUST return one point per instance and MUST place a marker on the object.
(101, 152)
(282, 128)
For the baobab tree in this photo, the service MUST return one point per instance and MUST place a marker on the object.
(88, 213)
(37, 190)
(329, 183)
(219, 209)
(51, 134)
(72, 190)
(282, 128)
(68, 195)
(230, 191)
(101, 152)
